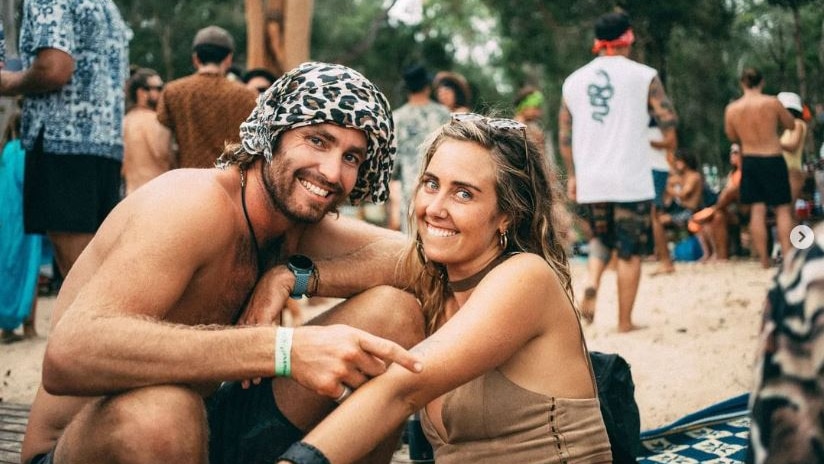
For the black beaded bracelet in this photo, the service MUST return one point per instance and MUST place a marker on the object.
(303, 453)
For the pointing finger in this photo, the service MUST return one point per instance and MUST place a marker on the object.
(390, 352)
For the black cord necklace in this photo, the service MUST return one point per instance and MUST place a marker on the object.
(249, 222)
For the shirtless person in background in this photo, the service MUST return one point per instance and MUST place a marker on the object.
(756, 121)
(144, 325)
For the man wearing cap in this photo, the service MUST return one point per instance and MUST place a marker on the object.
(753, 121)
(153, 319)
(414, 121)
(202, 111)
(603, 141)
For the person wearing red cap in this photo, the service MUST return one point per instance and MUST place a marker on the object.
(603, 122)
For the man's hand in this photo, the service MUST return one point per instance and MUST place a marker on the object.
(269, 297)
(325, 359)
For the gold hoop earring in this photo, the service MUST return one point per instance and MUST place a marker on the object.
(419, 249)
(503, 239)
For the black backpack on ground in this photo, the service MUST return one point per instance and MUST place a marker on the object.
(616, 392)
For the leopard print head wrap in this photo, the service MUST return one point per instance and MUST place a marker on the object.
(315, 93)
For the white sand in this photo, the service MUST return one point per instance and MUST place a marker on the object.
(697, 348)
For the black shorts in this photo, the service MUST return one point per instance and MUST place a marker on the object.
(68, 193)
(625, 227)
(47, 458)
(246, 426)
(765, 180)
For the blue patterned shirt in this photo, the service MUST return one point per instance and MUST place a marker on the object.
(85, 116)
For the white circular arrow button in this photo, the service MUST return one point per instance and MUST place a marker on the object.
(802, 237)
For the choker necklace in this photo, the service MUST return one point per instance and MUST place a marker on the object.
(472, 281)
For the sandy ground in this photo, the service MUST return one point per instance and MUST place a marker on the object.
(697, 348)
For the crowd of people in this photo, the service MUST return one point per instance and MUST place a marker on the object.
(168, 330)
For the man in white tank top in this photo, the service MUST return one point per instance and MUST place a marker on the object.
(603, 140)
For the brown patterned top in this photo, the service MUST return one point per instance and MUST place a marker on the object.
(204, 111)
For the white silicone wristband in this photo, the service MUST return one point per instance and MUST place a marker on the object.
(283, 352)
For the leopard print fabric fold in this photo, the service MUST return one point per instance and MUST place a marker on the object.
(315, 93)
(787, 404)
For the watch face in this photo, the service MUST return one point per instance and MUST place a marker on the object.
(300, 262)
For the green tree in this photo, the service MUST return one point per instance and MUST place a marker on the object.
(795, 8)
(163, 30)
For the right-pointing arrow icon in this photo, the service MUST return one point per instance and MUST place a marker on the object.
(802, 237)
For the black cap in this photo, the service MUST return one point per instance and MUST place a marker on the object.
(611, 25)
(416, 78)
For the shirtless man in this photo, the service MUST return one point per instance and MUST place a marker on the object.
(143, 326)
(756, 121)
(144, 158)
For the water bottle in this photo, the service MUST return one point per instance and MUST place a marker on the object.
(817, 209)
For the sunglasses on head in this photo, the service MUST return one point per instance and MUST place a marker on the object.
(497, 123)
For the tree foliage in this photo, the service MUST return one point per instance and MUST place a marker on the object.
(164, 29)
(698, 46)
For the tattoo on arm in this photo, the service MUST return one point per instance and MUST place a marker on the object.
(661, 108)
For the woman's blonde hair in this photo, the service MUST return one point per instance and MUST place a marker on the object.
(525, 194)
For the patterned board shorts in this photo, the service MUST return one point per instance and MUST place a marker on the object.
(623, 227)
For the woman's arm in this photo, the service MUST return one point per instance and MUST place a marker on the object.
(796, 137)
(517, 302)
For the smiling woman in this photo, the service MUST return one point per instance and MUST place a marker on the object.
(493, 278)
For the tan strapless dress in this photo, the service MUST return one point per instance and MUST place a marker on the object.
(492, 420)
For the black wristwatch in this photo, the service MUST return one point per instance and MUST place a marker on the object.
(303, 268)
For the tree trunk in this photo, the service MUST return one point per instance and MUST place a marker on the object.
(166, 52)
(799, 56)
(278, 33)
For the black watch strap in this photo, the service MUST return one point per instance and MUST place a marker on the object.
(304, 453)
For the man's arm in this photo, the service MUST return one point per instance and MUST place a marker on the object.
(130, 312)
(163, 144)
(350, 256)
(691, 190)
(729, 126)
(165, 130)
(796, 137)
(662, 109)
(565, 148)
(51, 70)
(669, 143)
(785, 117)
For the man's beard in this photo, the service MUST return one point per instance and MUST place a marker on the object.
(280, 193)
